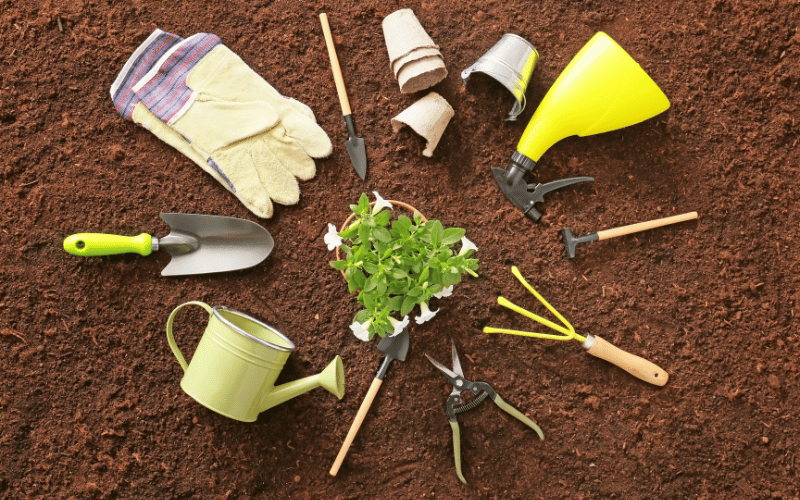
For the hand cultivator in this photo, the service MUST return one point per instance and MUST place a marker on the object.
(596, 346)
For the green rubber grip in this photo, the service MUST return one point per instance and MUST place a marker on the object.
(94, 244)
(457, 449)
(518, 415)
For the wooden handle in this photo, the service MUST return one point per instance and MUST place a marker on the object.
(362, 412)
(644, 226)
(337, 70)
(636, 366)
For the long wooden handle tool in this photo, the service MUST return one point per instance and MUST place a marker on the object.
(355, 145)
(571, 241)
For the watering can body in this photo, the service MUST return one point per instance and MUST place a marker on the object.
(600, 90)
(237, 361)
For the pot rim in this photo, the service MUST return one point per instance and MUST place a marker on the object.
(217, 312)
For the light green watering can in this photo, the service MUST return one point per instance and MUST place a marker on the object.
(235, 366)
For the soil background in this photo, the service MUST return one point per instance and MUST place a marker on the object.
(90, 403)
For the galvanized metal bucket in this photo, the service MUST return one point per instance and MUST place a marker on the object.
(511, 62)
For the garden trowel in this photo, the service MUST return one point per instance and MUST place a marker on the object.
(395, 347)
(198, 244)
(355, 145)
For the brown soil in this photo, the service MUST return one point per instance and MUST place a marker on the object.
(90, 403)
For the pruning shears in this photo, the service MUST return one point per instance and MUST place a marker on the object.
(456, 405)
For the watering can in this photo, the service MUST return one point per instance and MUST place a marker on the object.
(237, 361)
(601, 89)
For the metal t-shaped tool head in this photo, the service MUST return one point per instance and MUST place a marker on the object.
(394, 347)
(571, 241)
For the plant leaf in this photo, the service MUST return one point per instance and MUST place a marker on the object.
(399, 274)
(363, 234)
(452, 235)
(404, 222)
(370, 285)
(396, 302)
(424, 275)
(363, 204)
(437, 231)
(408, 305)
(339, 265)
(363, 315)
(382, 234)
(382, 218)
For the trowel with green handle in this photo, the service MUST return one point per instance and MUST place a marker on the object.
(198, 244)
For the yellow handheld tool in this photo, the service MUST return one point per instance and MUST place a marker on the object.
(600, 90)
(636, 366)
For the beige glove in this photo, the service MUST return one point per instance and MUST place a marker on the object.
(225, 118)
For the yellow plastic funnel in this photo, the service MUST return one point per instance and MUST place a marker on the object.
(600, 90)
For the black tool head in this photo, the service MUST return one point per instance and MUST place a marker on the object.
(395, 347)
(358, 155)
(525, 196)
(516, 193)
(355, 147)
(570, 241)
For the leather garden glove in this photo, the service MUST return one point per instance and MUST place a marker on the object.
(199, 97)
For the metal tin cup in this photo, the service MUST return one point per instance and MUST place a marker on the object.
(511, 62)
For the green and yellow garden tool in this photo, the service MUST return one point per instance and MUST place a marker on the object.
(601, 89)
(596, 346)
(198, 244)
(456, 405)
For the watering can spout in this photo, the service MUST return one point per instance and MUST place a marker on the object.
(331, 378)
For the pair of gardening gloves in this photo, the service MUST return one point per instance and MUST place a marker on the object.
(199, 97)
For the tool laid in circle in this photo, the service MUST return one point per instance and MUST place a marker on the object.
(525, 196)
(511, 62)
(571, 241)
(456, 405)
(600, 90)
(596, 346)
(394, 347)
(355, 145)
(198, 244)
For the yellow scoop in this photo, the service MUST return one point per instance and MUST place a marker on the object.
(636, 366)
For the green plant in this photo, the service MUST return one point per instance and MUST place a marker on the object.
(397, 265)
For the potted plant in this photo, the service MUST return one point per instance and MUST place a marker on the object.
(396, 265)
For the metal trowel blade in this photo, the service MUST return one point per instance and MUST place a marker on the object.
(358, 155)
(202, 244)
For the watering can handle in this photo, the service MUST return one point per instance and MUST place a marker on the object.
(171, 337)
(636, 366)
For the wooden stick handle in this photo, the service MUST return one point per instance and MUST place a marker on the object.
(644, 226)
(636, 366)
(337, 70)
(362, 412)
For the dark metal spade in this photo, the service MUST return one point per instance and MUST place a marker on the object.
(395, 347)
(355, 145)
(356, 148)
